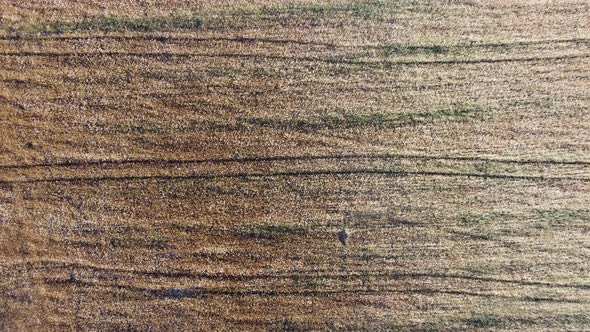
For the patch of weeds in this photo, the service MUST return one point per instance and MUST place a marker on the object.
(304, 282)
(487, 167)
(454, 113)
(112, 24)
(474, 236)
(120, 243)
(287, 325)
(349, 120)
(176, 293)
(269, 232)
(154, 241)
(485, 320)
(469, 219)
(564, 216)
(374, 10)
(361, 9)
(498, 47)
(355, 60)
(577, 318)
(398, 49)
(478, 269)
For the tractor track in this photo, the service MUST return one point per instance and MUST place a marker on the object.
(97, 171)
(99, 179)
(253, 40)
(290, 58)
(378, 290)
(157, 176)
(160, 38)
(386, 275)
(163, 161)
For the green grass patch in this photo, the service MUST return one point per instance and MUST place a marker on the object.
(398, 49)
(327, 121)
(113, 24)
(364, 9)
(269, 232)
(564, 216)
(373, 10)
(350, 120)
(491, 321)
(485, 321)
(477, 269)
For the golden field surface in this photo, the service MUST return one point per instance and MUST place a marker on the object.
(187, 165)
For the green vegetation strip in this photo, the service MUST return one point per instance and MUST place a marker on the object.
(112, 24)
(350, 120)
(355, 9)
(362, 9)
(400, 49)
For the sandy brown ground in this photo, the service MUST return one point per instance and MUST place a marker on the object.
(196, 180)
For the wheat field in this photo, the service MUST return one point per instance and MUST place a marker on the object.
(187, 165)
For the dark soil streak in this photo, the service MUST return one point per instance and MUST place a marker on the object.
(175, 162)
(290, 58)
(98, 179)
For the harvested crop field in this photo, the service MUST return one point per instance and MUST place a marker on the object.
(188, 165)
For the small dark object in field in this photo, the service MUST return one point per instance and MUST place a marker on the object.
(342, 236)
(177, 293)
